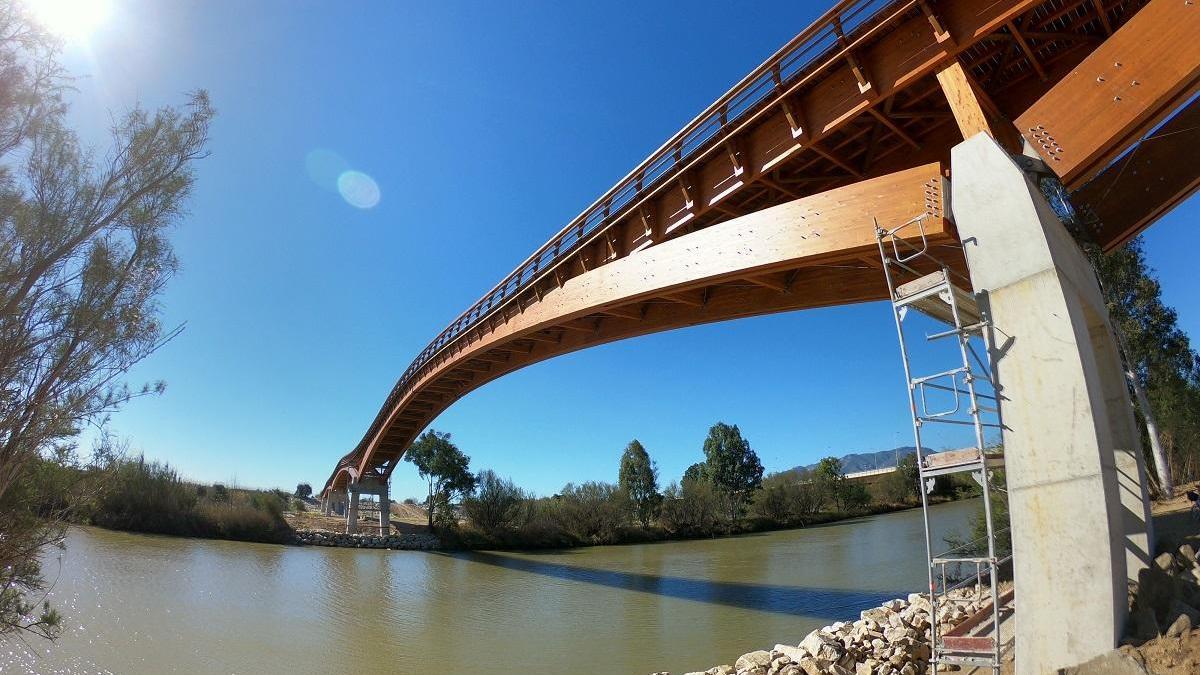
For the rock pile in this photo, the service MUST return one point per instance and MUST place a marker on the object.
(1167, 596)
(892, 639)
(412, 541)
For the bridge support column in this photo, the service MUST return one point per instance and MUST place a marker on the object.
(352, 512)
(385, 511)
(1076, 478)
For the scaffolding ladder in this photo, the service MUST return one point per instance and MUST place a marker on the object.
(917, 280)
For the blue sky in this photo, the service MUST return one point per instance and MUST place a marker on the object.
(486, 127)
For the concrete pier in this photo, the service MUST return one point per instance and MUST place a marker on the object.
(1076, 478)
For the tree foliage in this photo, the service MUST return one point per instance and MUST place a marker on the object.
(1160, 352)
(902, 485)
(447, 470)
(695, 472)
(829, 478)
(788, 498)
(732, 466)
(594, 512)
(303, 490)
(691, 508)
(638, 477)
(497, 505)
(84, 255)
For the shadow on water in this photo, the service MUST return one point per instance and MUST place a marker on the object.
(822, 603)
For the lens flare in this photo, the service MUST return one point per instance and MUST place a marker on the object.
(71, 19)
(358, 189)
(324, 166)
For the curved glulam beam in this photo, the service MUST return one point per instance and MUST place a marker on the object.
(802, 254)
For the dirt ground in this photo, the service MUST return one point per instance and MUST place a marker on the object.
(1173, 526)
(406, 518)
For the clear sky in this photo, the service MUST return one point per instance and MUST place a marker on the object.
(485, 127)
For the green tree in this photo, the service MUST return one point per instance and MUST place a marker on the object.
(446, 468)
(304, 490)
(787, 498)
(854, 496)
(84, 255)
(638, 477)
(691, 508)
(1160, 353)
(902, 485)
(497, 505)
(594, 512)
(829, 478)
(732, 466)
(696, 472)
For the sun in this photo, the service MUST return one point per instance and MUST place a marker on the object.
(70, 19)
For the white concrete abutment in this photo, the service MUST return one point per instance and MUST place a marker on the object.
(1078, 503)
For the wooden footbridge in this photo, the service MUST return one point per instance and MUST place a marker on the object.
(764, 202)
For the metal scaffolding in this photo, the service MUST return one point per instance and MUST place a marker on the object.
(964, 395)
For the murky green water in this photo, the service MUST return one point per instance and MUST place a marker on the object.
(143, 604)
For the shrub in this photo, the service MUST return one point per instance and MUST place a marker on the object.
(242, 522)
(143, 496)
(594, 512)
(146, 496)
(787, 498)
(691, 509)
(498, 504)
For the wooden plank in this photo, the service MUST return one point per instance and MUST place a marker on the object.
(970, 645)
(1141, 187)
(1123, 88)
(979, 617)
(967, 104)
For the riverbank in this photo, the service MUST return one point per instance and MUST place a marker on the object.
(891, 639)
(409, 531)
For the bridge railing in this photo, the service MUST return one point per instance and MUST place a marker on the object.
(794, 61)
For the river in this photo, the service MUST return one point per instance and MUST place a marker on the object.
(149, 604)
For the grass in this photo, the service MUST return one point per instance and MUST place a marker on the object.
(141, 496)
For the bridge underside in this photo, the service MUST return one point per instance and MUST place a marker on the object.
(764, 203)
(759, 263)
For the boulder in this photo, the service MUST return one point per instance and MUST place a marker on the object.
(755, 659)
(1110, 663)
(1179, 607)
(810, 666)
(793, 653)
(1180, 626)
(878, 615)
(1188, 553)
(1143, 625)
(822, 649)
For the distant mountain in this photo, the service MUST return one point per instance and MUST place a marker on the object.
(865, 461)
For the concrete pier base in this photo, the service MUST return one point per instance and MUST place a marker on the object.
(1076, 477)
(370, 485)
(352, 513)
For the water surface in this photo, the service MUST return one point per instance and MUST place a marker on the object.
(146, 604)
